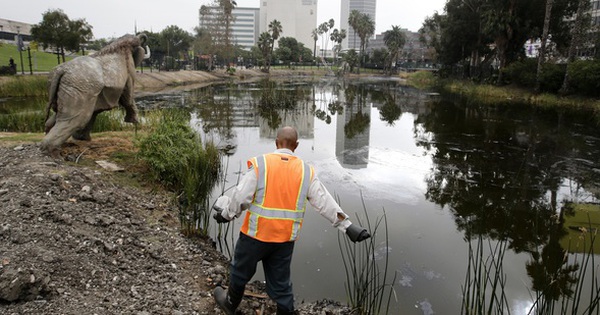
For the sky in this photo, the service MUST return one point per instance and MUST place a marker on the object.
(114, 18)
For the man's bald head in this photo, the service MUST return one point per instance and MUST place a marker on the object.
(287, 138)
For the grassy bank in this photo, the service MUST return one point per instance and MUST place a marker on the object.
(486, 94)
(41, 61)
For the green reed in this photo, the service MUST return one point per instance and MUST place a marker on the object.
(483, 289)
(32, 85)
(366, 281)
(560, 285)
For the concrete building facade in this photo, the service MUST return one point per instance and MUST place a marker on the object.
(244, 28)
(363, 6)
(9, 29)
(298, 18)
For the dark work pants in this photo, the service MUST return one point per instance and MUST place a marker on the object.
(276, 259)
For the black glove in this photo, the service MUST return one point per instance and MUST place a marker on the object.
(357, 233)
(219, 217)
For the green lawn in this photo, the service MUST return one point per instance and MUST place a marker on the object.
(40, 61)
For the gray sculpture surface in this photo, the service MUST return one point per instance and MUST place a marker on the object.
(80, 89)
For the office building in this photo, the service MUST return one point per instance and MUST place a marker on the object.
(244, 27)
(298, 18)
(363, 6)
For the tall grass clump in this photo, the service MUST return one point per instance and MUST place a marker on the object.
(366, 281)
(422, 79)
(485, 280)
(30, 121)
(177, 158)
(32, 85)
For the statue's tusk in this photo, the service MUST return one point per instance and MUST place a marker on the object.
(147, 55)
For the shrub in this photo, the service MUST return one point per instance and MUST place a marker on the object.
(552, 77)
(521, 72)
(177, 158)
(584, 77)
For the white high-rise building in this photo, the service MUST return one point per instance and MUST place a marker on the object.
(363, 6)
(244, 27)
(298, 18)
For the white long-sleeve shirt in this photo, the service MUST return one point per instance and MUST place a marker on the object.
(318, 197)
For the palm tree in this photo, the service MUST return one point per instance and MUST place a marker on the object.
(276, 29)
(394, 39)
(228, 6)
(366, 28)
(353, 19)
(315, 37)
(264, 45)
(337, 37)
(323, 29)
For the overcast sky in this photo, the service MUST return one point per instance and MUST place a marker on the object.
(113, 18)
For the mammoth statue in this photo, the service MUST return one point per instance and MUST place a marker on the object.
(80, 89)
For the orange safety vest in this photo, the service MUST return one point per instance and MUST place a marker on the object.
(277, 210)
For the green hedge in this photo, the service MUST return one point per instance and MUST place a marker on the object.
(523, 73)
(585, 77)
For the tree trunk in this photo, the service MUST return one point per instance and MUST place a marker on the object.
(542, 52)
(575, 41)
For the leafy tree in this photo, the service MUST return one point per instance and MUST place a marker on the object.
(394, 40)
(351, 57)
(290, 50)
(430, 35)
(58, 31)
(176, 42)
(379, 57)
(579, 29)
(219, 27)
(473, 33)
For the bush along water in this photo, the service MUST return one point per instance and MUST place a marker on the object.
(178, 159)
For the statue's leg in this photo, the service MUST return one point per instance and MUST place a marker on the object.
(84, 134)
(74, 115)
(127, 101)
(50, 122)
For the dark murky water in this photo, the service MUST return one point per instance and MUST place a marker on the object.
(463, 185)
(448, 174)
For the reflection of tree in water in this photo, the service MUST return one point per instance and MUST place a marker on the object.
(552, 276)
(356, 101)
(278, 99)
(389, 110)
(216, 114)
(334, 108)
(493, 168)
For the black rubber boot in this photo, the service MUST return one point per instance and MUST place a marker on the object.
(225, 301)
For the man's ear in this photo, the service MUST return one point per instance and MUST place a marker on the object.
(295, 145)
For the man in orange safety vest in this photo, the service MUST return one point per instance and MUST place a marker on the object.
(274, 191)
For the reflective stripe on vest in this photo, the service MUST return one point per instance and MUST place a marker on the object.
(278, 218)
